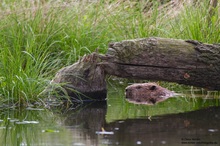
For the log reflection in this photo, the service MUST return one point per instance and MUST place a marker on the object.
(201, 126)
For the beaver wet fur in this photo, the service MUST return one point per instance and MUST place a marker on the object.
(147, 93)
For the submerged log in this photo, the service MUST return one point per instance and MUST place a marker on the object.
(185, 62)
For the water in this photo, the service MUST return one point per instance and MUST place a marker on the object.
(188, 120)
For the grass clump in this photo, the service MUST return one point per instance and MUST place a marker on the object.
(27, 40)
(39, 37)
(195, 22)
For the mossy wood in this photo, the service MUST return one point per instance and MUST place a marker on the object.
(84, 80)
(186, 62)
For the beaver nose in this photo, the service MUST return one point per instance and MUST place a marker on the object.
(127, 90)
(127, 93)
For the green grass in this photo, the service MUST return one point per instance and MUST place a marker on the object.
(194, 23)
(38, 38)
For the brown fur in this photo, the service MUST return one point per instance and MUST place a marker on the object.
(147, 93)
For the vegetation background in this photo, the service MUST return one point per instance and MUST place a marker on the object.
(38, 37)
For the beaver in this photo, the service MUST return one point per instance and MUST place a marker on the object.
(147, 93)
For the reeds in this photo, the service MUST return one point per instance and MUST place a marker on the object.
(39, 37)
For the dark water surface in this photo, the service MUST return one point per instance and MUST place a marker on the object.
(192, 119)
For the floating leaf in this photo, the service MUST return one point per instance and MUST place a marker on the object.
(50, 131)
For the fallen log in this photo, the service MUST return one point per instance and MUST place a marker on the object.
(186, 62)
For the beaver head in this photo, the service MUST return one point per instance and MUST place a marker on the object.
(147, 93)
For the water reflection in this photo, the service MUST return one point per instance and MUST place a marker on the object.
(73, 126)
(177, 121)
(85, 122)
(195, 128)
(21, 126)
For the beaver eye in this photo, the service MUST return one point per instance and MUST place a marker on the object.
(138, 100)
(153, 87)
(138, 87)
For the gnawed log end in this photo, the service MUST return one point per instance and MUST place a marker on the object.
(84, 79)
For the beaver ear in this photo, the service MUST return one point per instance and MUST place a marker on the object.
(153, 87)
(138, 87)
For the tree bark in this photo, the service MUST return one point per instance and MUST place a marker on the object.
(186, 62)
(83, 80)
